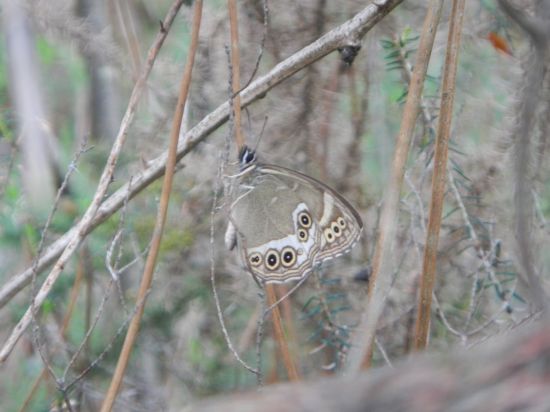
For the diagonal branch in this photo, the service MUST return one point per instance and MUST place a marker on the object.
(351, 30)
(82, 227)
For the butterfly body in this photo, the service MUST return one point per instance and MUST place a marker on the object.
(285, 223)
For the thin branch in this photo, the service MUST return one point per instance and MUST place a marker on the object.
(235, 72)
(439, 175)
(109, 346)
(36, 330)
(85, 224)
(381, 277)
(129, 34)
(262, 46)
(219, 311)
(383, 352)
(280, 338)
(150, 263)
(65, 324)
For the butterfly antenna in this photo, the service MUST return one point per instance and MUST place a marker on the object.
(247, 155)
(261, 133)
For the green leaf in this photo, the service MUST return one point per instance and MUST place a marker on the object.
(387, 44)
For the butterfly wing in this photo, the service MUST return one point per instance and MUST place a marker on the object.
(339, 223)
(287, 222)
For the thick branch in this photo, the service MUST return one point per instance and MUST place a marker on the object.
(508, 373)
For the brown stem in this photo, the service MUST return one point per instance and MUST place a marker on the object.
(439, 175)
(279, 334)
(286, 312)
(161, 216)
(236, 73)
(380, 279)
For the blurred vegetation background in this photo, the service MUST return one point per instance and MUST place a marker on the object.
(78, 61)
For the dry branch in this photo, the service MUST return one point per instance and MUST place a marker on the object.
(236, 72)
(441, 154)
(158, 230)
(524, 132)
(350, 31)
(82, 227)
(279, 335)
(380, 280)
(506, 373)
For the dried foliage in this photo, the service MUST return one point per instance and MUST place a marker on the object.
(333, 110)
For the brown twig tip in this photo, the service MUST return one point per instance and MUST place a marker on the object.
(162, 28)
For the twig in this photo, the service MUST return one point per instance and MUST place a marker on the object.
(91, 328)
(150, 263)
(36, 329)
(331, 89)
(439, 175)
(129, 33)
(280, 338)
(110, 344)
(449, 327)
(213, 279)
(113, 269)
(383, 352)
(262, 45)
(235, 72)
(65, 324)
(80, 230)
(259, 338)
(486, 258)
(380, 280)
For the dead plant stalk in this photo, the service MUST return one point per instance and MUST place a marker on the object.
(236, 72)
(279, 334)
(150, 263)
(439, 175)
(380, 280)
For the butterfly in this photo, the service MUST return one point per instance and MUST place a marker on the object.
(286, 223)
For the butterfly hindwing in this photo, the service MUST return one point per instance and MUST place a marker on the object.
(287, 222)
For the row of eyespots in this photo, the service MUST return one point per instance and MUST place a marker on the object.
(305, 222)
(335, 229)
(273, 259)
